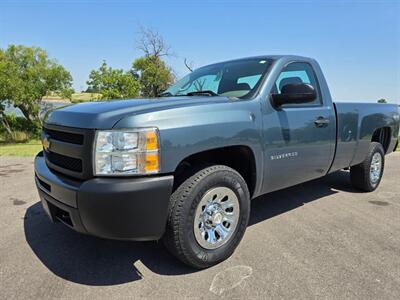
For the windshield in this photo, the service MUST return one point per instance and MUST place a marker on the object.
(239, 78)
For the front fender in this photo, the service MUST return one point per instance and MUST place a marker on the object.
(185, 131)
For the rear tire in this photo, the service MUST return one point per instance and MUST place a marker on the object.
(367, 175)
(195, 206)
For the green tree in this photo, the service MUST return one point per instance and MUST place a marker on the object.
(27, 74)
(154, 75)
(113, 83)
(382, 101)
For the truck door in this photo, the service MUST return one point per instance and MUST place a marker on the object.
(299, 138)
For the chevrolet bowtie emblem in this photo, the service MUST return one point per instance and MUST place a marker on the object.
(46, 142)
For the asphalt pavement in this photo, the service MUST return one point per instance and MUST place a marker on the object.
(321, 239)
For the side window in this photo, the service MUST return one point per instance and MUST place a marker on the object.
(298, 73)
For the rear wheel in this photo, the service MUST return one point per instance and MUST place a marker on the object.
(367, 175)
(208, 216)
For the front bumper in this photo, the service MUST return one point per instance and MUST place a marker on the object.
(115, 208)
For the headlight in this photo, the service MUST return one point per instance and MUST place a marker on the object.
(125, 152)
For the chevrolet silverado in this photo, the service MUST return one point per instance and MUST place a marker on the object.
(184, 167)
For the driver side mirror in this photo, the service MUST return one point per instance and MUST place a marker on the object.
(294, 93)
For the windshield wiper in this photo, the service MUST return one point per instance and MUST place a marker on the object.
(165, 94)
(206, 92)
(168, 94)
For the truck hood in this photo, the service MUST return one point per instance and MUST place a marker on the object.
(105, 114)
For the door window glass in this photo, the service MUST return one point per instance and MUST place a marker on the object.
(298, 73)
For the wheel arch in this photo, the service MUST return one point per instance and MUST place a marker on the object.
(238, 157)
(383, 136)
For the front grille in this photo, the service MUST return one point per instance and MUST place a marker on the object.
(69, 150)
(63, 136)
(66, 162)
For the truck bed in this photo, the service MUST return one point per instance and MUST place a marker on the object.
(357, 123)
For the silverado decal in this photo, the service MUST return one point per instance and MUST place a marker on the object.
(284, 155)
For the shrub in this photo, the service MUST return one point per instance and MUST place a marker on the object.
(17, 137)
(21, 129)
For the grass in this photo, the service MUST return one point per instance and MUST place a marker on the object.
(76, 97)
(80, 97)
(30, 148)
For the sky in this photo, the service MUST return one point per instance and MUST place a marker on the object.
(357, 43)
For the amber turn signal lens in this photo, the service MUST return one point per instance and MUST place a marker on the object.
(151, 140)
(151, 164)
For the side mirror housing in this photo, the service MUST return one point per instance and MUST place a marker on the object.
(294, 93)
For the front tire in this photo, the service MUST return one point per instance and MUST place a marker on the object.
(208, 216)
(367, 175)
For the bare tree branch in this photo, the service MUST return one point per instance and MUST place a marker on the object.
(188, 65)
(152, 43)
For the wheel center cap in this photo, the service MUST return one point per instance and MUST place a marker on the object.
(217, 218)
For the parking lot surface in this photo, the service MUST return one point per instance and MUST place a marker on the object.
(321, 239)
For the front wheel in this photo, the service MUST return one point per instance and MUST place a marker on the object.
(208, 216)
(367, 175)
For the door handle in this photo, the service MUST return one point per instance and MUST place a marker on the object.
(321, 122)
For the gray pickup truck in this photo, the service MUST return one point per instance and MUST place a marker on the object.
(184, 167)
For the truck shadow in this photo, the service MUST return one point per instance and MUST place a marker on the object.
(93, 261)
(279, 202)
(98, 262)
